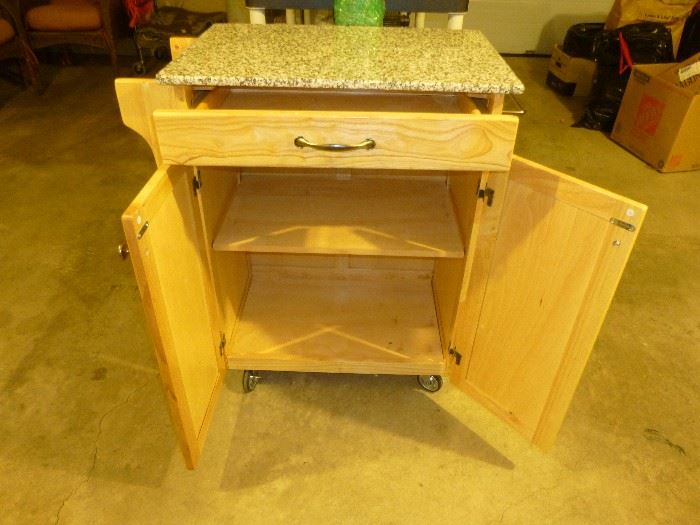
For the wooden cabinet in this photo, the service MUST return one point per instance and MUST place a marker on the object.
(433, 252)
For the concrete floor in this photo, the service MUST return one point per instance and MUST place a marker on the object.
(85, 433)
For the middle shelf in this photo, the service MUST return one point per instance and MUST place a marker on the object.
(405, 217)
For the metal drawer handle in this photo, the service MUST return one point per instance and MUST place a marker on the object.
(301, 142)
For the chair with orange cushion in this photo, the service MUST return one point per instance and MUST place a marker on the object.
(14, 43)
(94, 23)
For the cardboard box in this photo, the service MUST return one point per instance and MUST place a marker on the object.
(570, 75)
(684, 74)
(659, 118)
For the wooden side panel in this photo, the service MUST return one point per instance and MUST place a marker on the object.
(230, 271)
(495, 104)
(178, 44)
(139, 97)
(212, 99)
(405, 264)
(167, 251)
(481, 246)
(555, 265)
(343, 263)
(403, 141)
(295, 260)
(452, 275)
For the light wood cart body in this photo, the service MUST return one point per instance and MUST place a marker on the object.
(436, 252)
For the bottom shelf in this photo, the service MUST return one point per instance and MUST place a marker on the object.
(336, 324)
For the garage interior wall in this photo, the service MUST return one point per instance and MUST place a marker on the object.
(512, 26)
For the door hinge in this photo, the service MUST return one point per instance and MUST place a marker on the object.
(458, 357)
(196, 182)
(486, 194)
(142, 231)
(622, 224)
(222, 343)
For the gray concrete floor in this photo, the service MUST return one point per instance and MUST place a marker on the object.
(85, 433)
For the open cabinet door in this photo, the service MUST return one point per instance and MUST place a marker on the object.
(163, 231)
(559, 252)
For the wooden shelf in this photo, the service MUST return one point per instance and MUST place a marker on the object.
(360, 216)
(334, 323)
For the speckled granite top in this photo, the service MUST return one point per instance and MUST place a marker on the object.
(337, 57)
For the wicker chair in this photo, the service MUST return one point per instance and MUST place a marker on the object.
(94, 23)
(14, 43)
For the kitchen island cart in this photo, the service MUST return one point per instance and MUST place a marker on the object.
(346, 199)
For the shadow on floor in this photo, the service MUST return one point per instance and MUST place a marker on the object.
(575, 105)
(296, 424)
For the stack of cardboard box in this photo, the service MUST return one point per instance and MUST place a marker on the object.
(659, 119)
(569, 75)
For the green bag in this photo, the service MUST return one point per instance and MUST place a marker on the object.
(358, 12)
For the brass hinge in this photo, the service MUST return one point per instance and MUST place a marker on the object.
(196, 182)
(486, 194)
(622, 224)
(222, 343)
(458, 357)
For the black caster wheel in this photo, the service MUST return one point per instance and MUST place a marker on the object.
(250, 380)
(162, 53)
(139, 68)
(430, 383)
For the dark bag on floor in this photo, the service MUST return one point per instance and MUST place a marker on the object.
(579, 39)
(690, 40)
(616, 52)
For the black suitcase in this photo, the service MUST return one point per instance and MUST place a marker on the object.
(579, 39)
(690, 40)
(154, 34)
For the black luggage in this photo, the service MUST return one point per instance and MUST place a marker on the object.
(690, 39)
(154, 34)
(579, 39)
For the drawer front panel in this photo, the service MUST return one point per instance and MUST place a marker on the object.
(248, 138)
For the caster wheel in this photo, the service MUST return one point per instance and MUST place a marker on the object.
(162, 53)
(430, 383)
(250, 380)
(139, 68)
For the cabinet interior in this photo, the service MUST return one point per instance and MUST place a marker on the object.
(338, 271)
(342, 214)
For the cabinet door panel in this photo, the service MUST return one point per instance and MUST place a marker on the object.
(553, 272)
(163, 231)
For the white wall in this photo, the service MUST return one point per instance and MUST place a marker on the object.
(513, 26)
(528, 26)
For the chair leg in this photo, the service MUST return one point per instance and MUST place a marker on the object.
(112, 49)
(29, 75)
(30, 69)
(113, 59)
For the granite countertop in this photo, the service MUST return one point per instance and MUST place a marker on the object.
(338, 57)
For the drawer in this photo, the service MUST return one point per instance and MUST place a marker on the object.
(261, 134)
